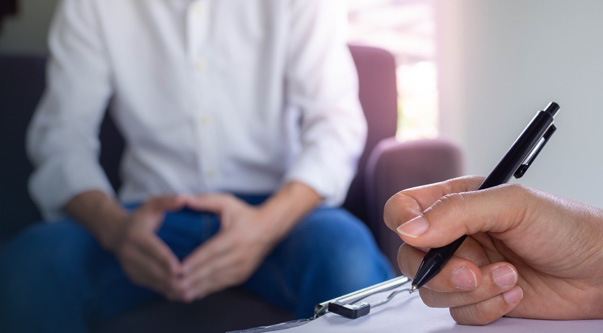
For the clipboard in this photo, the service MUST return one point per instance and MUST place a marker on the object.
(408, 313)
(351, 306)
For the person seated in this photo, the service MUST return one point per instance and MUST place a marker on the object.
(242, 128)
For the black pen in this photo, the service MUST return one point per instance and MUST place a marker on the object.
(515, 162)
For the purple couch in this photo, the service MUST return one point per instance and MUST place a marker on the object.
(386, 167)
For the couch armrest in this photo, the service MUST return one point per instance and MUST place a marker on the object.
(393, 166)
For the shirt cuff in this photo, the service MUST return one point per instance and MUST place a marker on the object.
(59, 179)
(330, 180)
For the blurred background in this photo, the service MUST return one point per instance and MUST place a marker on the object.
(471, 71)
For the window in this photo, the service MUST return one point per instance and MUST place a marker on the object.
(407, 29)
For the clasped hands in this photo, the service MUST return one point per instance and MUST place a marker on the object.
(227, 259)
(529, 254)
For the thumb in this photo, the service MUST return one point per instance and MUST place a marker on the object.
(152, 212)
(210, 203)
(168, 203)
(499, 209)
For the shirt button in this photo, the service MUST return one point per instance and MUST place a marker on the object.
(210, 173)
(197, 9)
(205, 120)
(201, 64)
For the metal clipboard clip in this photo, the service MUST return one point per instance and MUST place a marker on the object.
(351, 305)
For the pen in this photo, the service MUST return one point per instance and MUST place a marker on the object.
(515, 163)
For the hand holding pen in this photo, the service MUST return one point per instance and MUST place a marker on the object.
(528, 254)
(515, 162)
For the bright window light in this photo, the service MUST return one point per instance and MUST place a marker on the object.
(406, 28)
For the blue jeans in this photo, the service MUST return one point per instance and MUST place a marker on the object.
(56, 277)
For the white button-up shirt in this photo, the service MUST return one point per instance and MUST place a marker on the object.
(211, 95)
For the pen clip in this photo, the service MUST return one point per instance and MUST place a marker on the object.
(532, 156)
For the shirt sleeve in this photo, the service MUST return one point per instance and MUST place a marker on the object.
(62, 139)
(322, 82)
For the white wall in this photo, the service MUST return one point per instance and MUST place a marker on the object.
(503, 60)
(26, 32)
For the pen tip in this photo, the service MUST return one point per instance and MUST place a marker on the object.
(414, 287)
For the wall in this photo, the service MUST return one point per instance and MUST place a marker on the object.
(500, 61)
(26, 32)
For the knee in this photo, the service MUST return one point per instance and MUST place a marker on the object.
(353, 266)
(37, 257)
(346, 252)
(340, 235)
(19, 270)
(23, 259)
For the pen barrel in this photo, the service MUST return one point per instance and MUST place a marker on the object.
(434, 261)
(520, 150)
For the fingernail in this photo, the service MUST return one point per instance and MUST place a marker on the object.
(504, 276)
(414, 228)
(513, 296)
(464, 278)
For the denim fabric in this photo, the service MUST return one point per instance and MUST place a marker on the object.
(56, 277)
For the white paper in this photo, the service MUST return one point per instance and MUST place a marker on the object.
(407, 313)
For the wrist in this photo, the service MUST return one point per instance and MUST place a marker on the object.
(111, 236)
(102, 215)
(286, 207)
